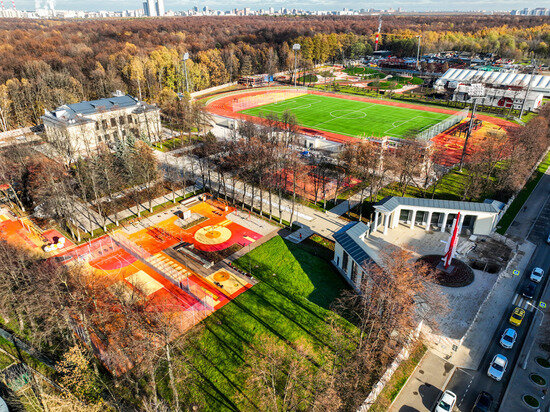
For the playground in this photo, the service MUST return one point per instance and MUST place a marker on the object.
(140, 261)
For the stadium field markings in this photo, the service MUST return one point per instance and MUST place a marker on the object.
(352, 122)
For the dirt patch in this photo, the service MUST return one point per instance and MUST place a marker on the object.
(461, 274)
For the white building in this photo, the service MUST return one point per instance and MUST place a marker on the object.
(434, 214)
(510, 99)
(351, 254)
(81, 127)
(498, 80)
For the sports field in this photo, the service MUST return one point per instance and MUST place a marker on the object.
(351, 117)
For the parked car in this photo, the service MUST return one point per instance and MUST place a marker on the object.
(528, 291)
(517, 316)
(497, 367)
(483, 403)
(536, 275)
(508, 338)
(446, 402)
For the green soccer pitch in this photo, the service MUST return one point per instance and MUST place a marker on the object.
(351, 117)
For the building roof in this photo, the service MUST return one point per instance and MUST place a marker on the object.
(349, 237)
(77, 113)
(390, 203)
(106, 104)
(539, 83)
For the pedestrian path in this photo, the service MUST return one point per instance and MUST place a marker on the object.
(424, 386)
(301, 234)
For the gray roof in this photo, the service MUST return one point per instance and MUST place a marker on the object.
(348, 238)
(110, 103)
(76, 113)
(390, 203)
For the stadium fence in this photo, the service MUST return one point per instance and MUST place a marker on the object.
(443, 125)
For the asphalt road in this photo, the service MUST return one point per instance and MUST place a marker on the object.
(467, 384)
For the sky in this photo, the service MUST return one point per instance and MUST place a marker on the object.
(407, 5)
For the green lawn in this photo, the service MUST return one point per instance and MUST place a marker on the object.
(290, 302)
(352, 117)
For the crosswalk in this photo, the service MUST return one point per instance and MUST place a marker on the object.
(527, 304)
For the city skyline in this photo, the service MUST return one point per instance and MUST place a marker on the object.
(332, 5)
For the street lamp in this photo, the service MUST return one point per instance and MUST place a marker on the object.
(476, 91)
(295, 47)
(185, 58)
(536, 308)
(419, 37)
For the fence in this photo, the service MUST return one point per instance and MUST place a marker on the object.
(443, 125)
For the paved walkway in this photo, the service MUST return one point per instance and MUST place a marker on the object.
(425, 385)
(525, 219)
(90, 220)
(323, 223)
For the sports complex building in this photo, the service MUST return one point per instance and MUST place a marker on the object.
(337, 118)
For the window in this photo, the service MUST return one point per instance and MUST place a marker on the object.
(354, 272)
(121, 119)
(104, 123)
(97, 125)
(345, 262)
(113, 122)
(130, 119)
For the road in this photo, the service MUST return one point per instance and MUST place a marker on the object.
(467, 384)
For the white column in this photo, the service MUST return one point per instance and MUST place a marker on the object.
(413, 219)
(444, 223)
(461, 221)
(429, 221)
(376, 214)
(396, 214)
(386, 223)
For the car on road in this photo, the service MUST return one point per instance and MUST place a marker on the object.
(537, 274)
(446, 402)
(497, 367)
(517, 316)
(483, 403)
(508, 338)
(528, 290)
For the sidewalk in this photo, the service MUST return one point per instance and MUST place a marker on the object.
(525, 218)
(424, 386)
(479, 335)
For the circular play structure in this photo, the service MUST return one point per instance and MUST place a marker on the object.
(212, 235)
(460, 274)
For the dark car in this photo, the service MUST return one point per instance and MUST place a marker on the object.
(483, 403)
(528, 290)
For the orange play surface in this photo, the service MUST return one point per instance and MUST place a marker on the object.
(134, 265)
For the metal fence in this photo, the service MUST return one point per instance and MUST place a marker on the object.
(443, 125)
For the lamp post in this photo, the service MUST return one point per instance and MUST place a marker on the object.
(536, 308)
(475, 91)
(185, 58)
(295, 47)
(419, 37)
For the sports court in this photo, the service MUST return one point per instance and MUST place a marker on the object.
(351, 117)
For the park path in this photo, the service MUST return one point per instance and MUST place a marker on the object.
(311, 220)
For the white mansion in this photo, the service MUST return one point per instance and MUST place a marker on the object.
(80, 127)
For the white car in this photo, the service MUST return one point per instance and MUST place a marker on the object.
(446, 403)
(497, 367)
(536, 275)
(508, 338)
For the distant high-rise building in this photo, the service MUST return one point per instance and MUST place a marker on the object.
(160, 8)
(150, 8)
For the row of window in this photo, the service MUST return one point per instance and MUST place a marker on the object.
(122, 120)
